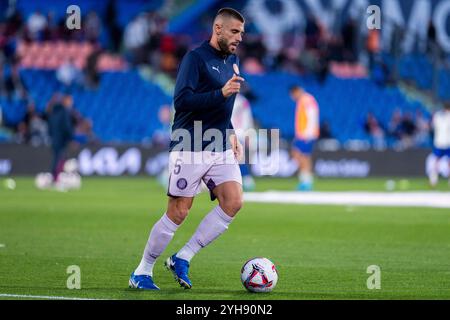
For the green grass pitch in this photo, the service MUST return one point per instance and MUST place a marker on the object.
(321, 252)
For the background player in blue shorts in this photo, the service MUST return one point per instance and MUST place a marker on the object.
(441, 141)
(307, 130)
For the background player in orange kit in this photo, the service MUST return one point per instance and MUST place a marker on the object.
(307, 130)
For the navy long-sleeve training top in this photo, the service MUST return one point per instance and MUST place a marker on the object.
(60, 127)
(198, 97)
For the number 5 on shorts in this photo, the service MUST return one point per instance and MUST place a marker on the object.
(177, 166)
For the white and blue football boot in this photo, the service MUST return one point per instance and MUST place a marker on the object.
(180, 270)
(305, 186)
(143, 282)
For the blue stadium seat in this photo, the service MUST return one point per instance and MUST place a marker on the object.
(121, 108)
(342, 103)
(125, 107)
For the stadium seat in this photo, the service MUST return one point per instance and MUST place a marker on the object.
(124, 107)
(51, 55)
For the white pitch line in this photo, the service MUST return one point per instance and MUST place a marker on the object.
(2, 245)
(378, 199)
(26, 296)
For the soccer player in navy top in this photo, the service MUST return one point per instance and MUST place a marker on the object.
(203, 148)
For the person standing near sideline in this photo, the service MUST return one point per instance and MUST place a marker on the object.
(441, 141)
(242, 120)
(307, 131)
(60, 131)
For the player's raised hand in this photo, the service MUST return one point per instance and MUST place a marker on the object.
(232, 86)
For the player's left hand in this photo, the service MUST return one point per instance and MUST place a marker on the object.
(237, 148)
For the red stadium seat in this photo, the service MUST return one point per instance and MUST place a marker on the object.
(22, 48)
(50, 55)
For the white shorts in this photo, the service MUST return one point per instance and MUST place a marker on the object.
(188, 169)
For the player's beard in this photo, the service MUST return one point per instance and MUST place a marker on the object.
(224, 45)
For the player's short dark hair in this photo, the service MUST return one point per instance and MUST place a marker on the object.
(295, 87)
(230, 13)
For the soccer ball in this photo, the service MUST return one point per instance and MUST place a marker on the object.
(43, 180)
(10, 184)
(259, 275)
(71, 166)
(68, 181)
